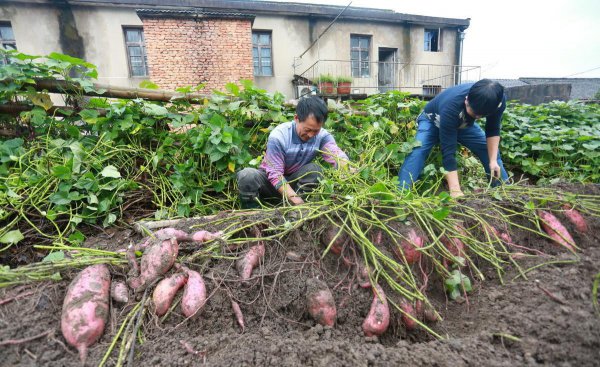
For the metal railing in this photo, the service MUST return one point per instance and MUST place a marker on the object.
(376, 77)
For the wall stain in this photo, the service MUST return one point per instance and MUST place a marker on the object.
(70, 40)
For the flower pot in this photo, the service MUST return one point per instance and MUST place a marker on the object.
(343, 87)
(326, 87)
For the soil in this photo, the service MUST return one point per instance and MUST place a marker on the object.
(545, 318)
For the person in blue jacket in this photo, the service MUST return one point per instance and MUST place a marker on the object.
(449, 119)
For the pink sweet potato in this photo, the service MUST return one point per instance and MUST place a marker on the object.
(337, 243)
(320, 302)
(246, 264)
(194, 294)
(408, 309)
(575, 217)
(409, 247)
(156, 261)
(203, 236)
(455, 245)
(164, 234)
(555, 229)
(119, 292)
(165, 291)
(378, 318)
(85, 308)
(362, 273)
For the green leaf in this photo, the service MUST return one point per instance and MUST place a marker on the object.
(62, 172)
(76, 238)
(147, 84)
(110, 171)
(12, 237)
(441, 213)
(41, 99)
(54, 256)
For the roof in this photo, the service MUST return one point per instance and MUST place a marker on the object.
(270, 7)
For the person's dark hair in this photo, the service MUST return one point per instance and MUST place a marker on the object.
(485, 97)
(312, 105)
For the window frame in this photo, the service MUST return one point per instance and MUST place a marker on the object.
(359, 49)
(435, 31)
(259, 47)
(142, 45)
(4, 42)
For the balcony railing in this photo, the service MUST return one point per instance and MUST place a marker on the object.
(376, 77)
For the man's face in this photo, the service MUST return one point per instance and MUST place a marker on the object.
(308, 128)
(470, 111)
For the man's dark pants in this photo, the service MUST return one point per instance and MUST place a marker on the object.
(254, 184)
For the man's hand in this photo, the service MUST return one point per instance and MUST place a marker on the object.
(456, 193)
(495, 169)
(296, 200)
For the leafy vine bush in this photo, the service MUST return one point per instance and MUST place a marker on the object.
(107, 159)
(557, 140)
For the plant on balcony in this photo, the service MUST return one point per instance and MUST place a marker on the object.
(326, 83)
(343, 84)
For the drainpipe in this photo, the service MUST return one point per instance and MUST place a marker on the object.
(461, 38)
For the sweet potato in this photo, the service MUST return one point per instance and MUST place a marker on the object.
(320, 302)
(454, 245)
(408, 309)
(194, 294)
(156, 261)
(555, 229)
(575, 218)
(85, 308)
(362, 273)
(409, 247)
(203, 236)
(246, 264)
(165, 291)
(337, 243)
(239, 316)
(164, 234)
(119, 292)
(378, 319)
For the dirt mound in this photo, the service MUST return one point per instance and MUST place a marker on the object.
(546, 317)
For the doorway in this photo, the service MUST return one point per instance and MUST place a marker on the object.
(386, 78)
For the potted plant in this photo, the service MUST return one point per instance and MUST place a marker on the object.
(343, 84)
(326, 84)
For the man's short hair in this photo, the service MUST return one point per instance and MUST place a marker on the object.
(485, 97)
(312, 105)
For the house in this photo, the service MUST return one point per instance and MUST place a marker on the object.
(281, 46)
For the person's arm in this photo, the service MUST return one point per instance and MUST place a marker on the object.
(492, 133)
(274, 165)
(332, 154)
(448, 144)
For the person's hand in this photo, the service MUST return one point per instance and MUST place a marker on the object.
(495, 169)
(456, 193)
(296, 200)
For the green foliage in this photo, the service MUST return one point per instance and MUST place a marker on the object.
(179, 159)
(457, 283)
(344, 79)
(325, 78)
(553, 140)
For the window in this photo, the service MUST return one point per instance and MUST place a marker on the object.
(262, 53)
(359, 55)
(136, 52)
(7, 38)
(431, 90)
(433, 40)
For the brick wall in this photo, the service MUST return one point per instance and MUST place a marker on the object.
(189, 52)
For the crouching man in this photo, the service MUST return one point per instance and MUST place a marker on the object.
(287, 170)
